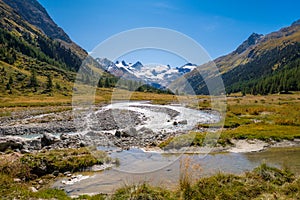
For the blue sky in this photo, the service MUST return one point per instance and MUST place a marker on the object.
(219, 26)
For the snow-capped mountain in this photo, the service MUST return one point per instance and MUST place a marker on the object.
(154, 74)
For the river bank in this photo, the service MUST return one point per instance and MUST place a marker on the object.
(165, 170)
(123, 125)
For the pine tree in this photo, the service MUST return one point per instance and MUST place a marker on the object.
(100, 84)
(33, 81)
(10, 82)
(107, 83)
(57, 86)
(49, 85)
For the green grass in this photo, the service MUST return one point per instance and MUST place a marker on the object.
(61, 160)
(264, 132)
(142, 191)
(272, 117)
(263, 181)
(28, 168)
(261, 131)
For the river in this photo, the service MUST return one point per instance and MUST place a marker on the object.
(164, 169)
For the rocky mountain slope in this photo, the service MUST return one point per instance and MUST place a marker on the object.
(260, 65)
(35, 14)
(36, 56)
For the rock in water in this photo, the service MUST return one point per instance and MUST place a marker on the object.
(183, 122)
(48, 139)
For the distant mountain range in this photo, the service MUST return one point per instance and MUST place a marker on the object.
(157, 75)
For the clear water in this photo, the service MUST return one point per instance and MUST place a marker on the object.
(137, 161)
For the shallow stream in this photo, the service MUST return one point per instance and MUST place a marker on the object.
(164, 169)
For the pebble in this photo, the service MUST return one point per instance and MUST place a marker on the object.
(33, 189)
(17, 180)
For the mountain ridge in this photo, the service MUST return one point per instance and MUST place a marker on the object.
(34, 13)
(257, 57)
(160, 76)
(32, 62)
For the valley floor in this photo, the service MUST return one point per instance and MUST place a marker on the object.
(253, 123)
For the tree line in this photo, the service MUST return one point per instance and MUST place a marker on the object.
(275, 71)
(39, 47)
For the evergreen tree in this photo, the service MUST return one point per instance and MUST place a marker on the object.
(33, 81)
(100, 84)
(107, 83)
(10, 82)
(49, 85)
(57, 86)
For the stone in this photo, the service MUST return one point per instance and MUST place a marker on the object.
(82, 144)
(34, 144)
(129, 132)
(55, 173)
(67, 172)
(17, 180)
(64, 136)
(33, 189)
(48, 139)
(183, 122)
(12, 143)
(118, 133)
(25, 151)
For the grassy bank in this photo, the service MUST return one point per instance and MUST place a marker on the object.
(263, 182)
(20, 172)
(272, 117)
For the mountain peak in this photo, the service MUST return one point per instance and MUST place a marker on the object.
(253, 39)
(124, 63)
(296, 23)
(138, 65)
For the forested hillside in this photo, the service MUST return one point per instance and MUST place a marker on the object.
(36, 56)
(261, 65)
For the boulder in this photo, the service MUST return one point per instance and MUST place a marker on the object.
(183, 122)
(146, 131)
(55, 173)
(33, 189)
(64, 136)
(129, 132)
(17, 180)
(48, 139)
(118, 134)
(34, 144)
(12, 143)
